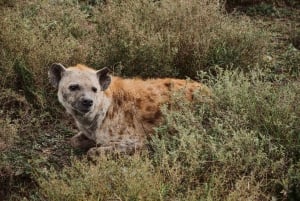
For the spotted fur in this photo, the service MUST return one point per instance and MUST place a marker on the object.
(124, 111)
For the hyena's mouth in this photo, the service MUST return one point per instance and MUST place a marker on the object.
(78, 109)
(84, 111)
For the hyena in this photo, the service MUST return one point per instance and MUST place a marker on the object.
(112, 113)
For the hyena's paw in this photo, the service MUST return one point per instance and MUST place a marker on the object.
(94, 153)
(82, 142)
(115, 150)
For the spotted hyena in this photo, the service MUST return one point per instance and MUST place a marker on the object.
(112, 113)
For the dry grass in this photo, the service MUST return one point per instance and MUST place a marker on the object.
(244, 146)
(166, 38)
(122, 179)
(176, 38)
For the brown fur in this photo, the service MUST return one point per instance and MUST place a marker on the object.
(132, 110)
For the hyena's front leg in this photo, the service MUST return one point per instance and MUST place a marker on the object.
(126, 147)
(82, 142)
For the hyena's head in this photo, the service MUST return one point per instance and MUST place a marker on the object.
(80, 89)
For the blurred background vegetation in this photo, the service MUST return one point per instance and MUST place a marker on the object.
(244, 146)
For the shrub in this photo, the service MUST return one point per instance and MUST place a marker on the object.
(242, 147)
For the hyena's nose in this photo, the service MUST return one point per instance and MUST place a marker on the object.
(87, 102)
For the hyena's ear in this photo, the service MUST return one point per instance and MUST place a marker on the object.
(55, 73)
(104, 78)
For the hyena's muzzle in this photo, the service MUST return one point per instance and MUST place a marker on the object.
(81, 100)
(84, 104)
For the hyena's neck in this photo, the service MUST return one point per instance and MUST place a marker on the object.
(89, 123)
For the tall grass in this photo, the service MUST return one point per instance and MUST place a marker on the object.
(242, 146)
(136, 38)
(122, 179)
(174, 38)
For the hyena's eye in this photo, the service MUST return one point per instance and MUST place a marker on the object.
(94, 89)
(74, 87)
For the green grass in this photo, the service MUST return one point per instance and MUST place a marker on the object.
(244, 145)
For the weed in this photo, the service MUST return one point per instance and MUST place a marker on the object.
(287, 62)
(25, 81)
(262, 9)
